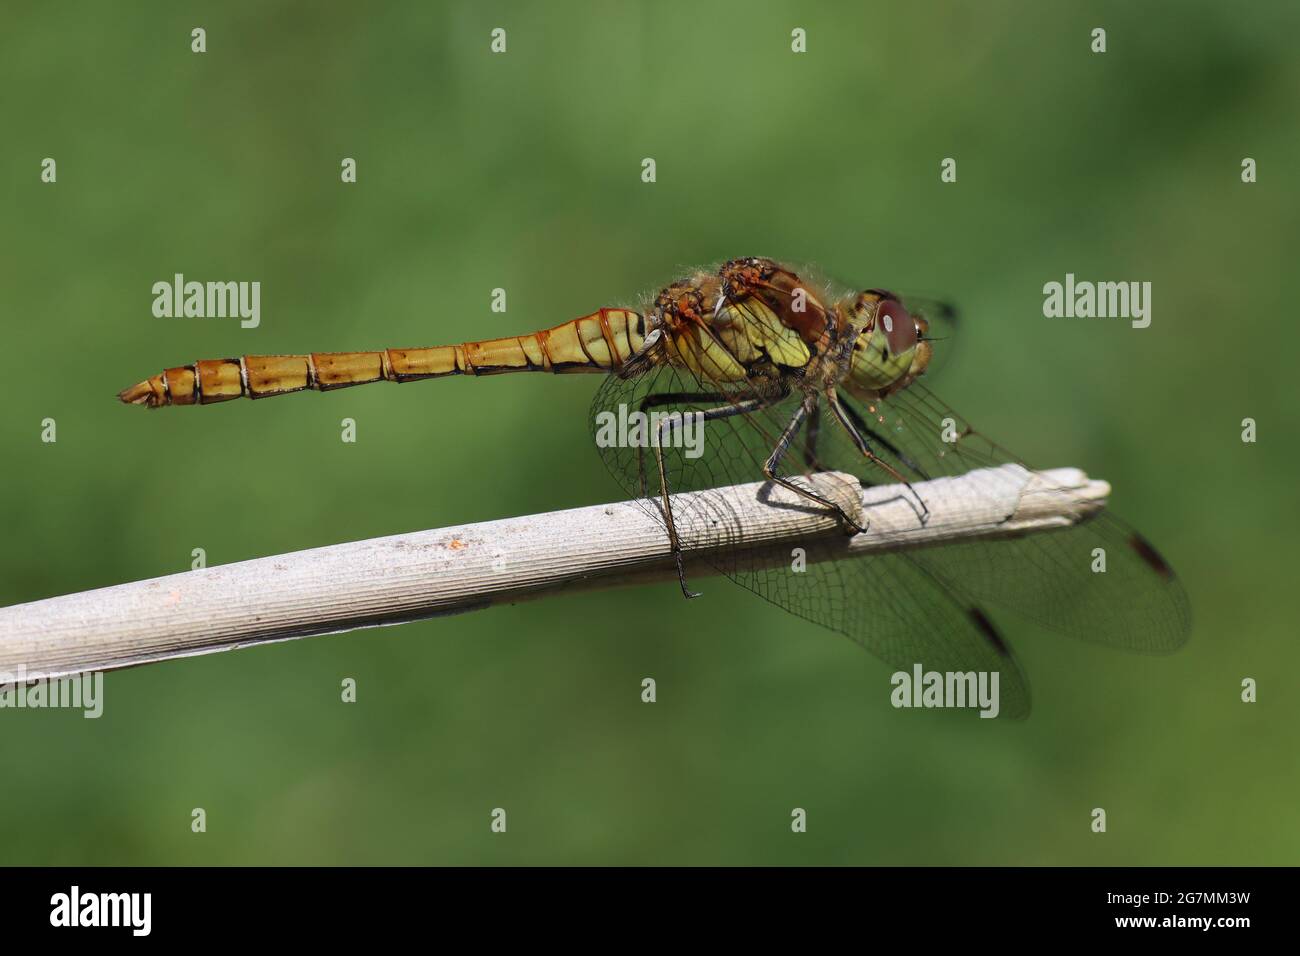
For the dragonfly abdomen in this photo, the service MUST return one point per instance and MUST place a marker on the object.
(599, 342)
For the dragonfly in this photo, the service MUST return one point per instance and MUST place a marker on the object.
(790, 376)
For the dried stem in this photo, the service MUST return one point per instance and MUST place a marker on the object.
(428, 573)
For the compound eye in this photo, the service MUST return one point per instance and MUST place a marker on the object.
(898, 325)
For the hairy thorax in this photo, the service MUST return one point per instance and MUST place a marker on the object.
(751, 320)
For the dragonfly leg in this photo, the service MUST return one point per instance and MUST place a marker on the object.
(709, 414)
(810, 437)
(864, 430)
(668, 398)
(842, 415)
(782, 444)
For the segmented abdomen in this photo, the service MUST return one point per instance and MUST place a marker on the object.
(599, 342)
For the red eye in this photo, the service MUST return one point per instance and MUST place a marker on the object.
(899, 327)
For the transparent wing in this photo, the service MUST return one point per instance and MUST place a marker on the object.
(1100, 581)
(892, 605)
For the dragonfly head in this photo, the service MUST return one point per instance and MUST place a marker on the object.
(892, 346)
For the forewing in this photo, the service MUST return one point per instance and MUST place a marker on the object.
(1100, 580)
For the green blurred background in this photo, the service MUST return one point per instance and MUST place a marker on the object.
(522, 171)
